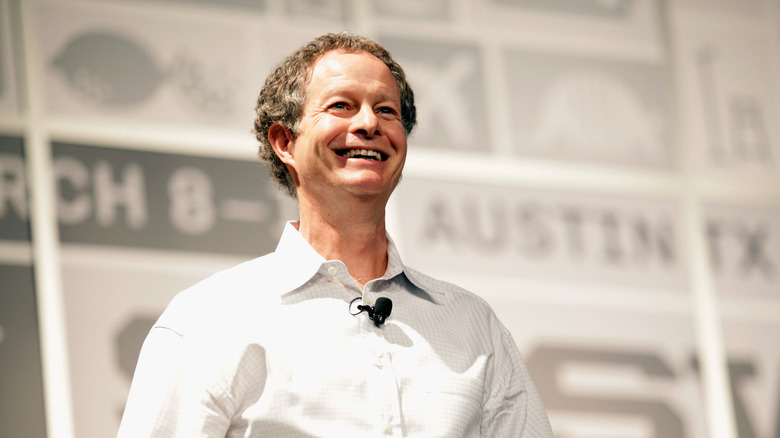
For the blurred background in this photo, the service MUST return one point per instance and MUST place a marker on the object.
(604, 172)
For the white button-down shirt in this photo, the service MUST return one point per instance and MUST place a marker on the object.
(271, 348)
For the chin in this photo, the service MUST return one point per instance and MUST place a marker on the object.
(371, 183)
(378, 190)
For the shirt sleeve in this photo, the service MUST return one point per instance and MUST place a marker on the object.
(178, 388)
(514, 408)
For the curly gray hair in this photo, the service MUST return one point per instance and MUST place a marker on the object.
(284, 92)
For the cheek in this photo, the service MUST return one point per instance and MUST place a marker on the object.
(395, 132)
(333, 132)
(398, 140)
(322, 128)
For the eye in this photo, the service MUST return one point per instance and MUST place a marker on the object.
(339, 105)
(387, 110)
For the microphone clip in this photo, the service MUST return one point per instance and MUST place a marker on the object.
(377, 313)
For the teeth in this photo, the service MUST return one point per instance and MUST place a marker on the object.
(363, 153)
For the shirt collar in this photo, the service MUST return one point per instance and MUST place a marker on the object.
(299, 262)
(395, 267)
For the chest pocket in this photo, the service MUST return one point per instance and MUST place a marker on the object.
(444, 405)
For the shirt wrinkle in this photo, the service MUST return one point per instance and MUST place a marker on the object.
(172, 330)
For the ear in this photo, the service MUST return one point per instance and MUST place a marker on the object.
(281, 140)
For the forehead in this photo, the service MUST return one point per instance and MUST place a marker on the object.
(355, 69)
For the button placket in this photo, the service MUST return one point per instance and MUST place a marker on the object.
(386, 396)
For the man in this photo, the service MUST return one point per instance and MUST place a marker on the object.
(302, 342)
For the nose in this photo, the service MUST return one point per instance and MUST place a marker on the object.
(365, 122)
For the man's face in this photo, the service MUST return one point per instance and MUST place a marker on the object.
(350, 134)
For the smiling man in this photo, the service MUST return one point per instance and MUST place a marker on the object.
(331, 335)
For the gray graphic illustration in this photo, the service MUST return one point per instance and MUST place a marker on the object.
(447, 80)
(744, 250)
(414, 9)
(3, 66)
(112, 70)
(749, 7)
(606, 8)
(592, 111)
(548, 362)
(737, 133)
(21, 378)
(579, 108)
(256, 5)
(3, 80)
(704, 59)
(129, 341)
(14, 212)
(324, 10)
(750, 135)
(109, 69)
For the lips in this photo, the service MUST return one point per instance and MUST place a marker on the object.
(365, 154)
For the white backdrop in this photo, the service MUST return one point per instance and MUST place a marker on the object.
(605, 173)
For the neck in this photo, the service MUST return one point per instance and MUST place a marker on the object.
(354, 235)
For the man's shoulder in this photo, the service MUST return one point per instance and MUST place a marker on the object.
(236, 278)
(444, 291)
(462, 310)
(218, 293)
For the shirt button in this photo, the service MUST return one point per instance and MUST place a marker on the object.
(378, 364)
(333, 270)
(389, 430)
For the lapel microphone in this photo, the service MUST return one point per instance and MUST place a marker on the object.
(378, 313)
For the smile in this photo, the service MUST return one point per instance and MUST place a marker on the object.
(362, 153)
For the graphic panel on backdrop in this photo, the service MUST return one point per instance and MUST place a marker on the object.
(578, 108)
(731, 92)
(157, 69)
(543, 235)
(9, 88)
(152, 200)
(21, 378)
(450, 99)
